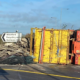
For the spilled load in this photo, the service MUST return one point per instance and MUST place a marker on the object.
(15, 53)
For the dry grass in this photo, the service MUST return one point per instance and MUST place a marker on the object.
(1, 42)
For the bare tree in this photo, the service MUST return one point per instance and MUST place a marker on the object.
(72, 26)
(64, 26)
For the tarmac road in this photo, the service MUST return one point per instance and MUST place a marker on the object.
(39, 72)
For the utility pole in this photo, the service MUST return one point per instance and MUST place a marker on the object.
(60, 18)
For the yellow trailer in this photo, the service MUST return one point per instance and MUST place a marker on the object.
(56, 46)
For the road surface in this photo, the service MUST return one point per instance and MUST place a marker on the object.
(39, 72)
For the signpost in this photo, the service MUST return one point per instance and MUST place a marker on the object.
(11, 37)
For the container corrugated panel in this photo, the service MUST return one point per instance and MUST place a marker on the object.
(46, 47)
(64, 47)
(37, 41)
(60, 46)
(56, 46)
(54, 58)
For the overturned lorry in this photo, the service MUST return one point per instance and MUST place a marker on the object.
(54, 46)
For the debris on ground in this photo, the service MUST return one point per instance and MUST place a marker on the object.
(15, 53)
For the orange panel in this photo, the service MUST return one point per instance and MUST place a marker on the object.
(76, 47)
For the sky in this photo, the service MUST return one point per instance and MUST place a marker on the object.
(22, 15)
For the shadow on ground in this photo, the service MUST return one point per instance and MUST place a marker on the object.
(17, 60)
(3, 74)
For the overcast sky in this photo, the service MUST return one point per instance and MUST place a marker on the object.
(24, 14)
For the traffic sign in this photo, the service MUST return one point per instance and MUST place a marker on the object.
(11, 37)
